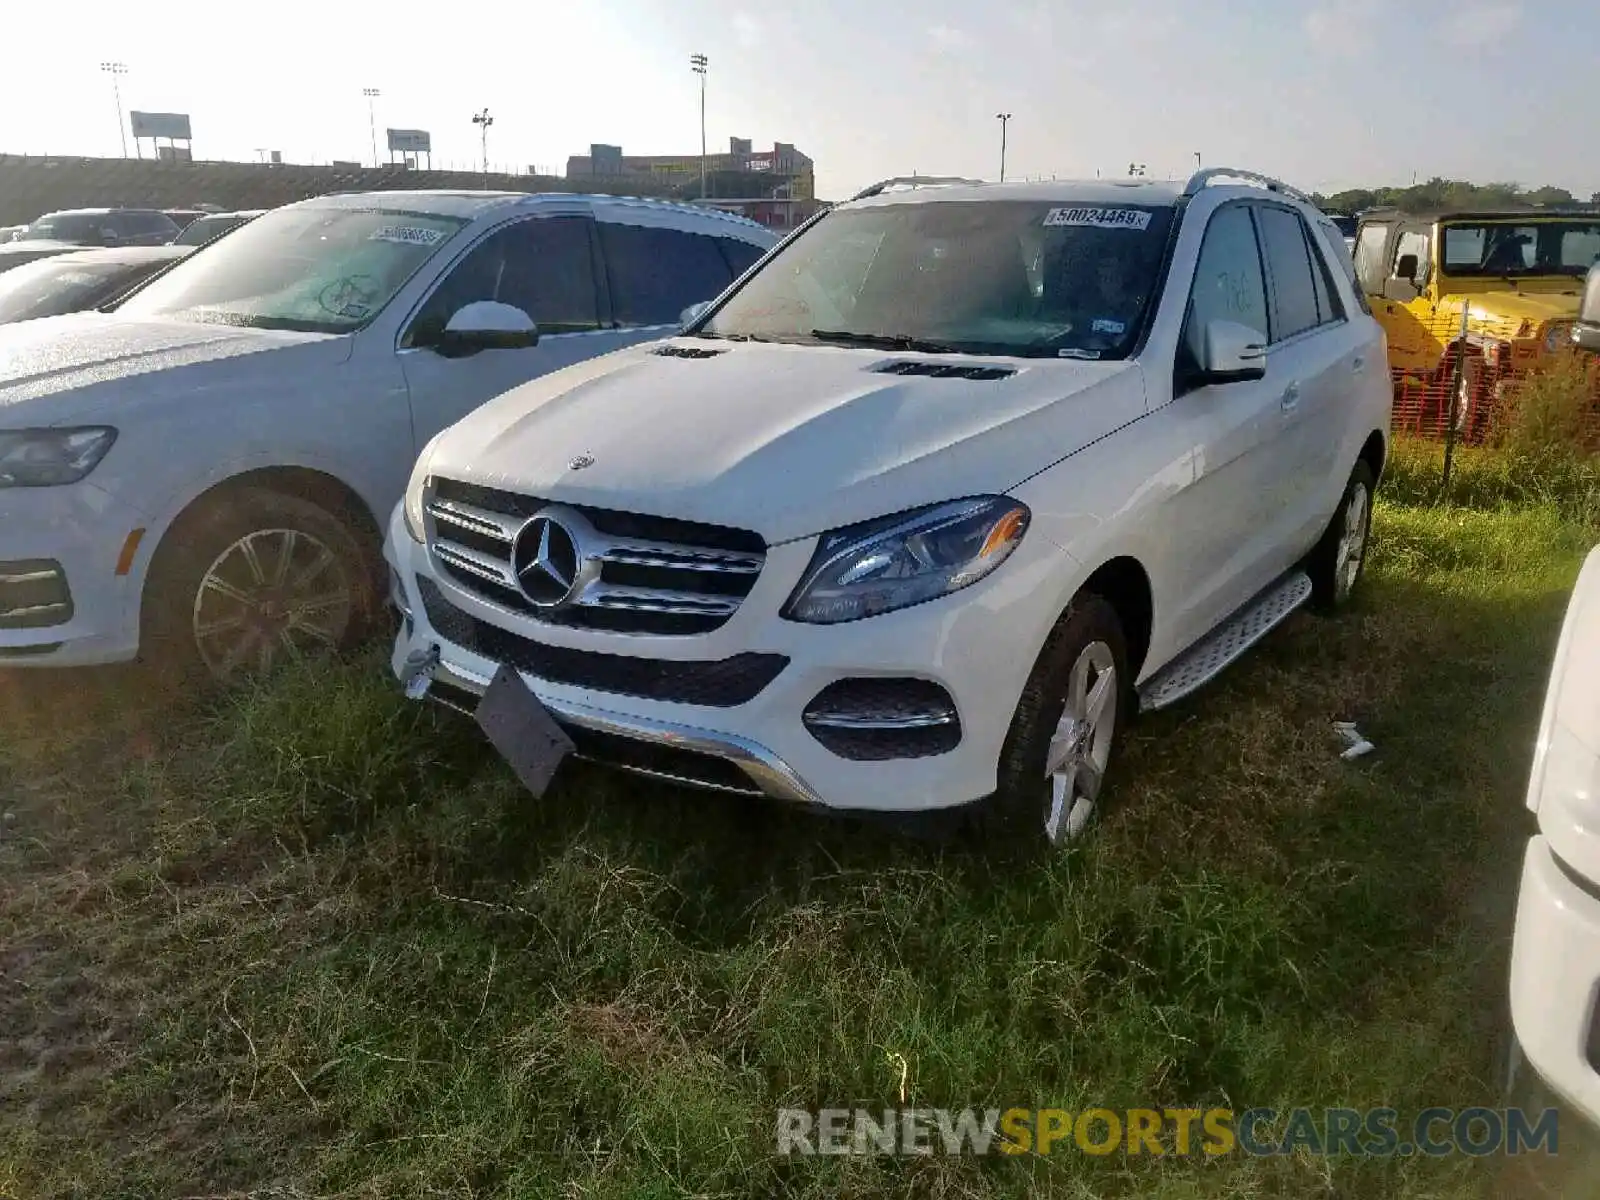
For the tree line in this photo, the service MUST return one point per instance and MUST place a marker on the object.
(1439, 195)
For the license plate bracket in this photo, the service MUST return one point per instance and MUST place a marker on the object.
(521, 729)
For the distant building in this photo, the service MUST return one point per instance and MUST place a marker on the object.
(776, 187)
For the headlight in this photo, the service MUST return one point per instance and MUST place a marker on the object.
(1557, 335)
(48, 457)
(903, 560)
(415, 492)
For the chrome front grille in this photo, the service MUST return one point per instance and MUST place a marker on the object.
(622, 572)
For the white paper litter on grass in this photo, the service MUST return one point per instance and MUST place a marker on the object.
(1355, 744)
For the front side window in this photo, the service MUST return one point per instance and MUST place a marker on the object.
(1294, 288)
(1033, 278)
(657, 273)
(1229, 284)
(315, 269)
(542, 265)
(1513, 248)
(1414, 244)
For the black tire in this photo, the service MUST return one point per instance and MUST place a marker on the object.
(208, 540)
(1332, 582)
(1019, 814)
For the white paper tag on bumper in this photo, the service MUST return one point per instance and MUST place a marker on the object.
(522, 730)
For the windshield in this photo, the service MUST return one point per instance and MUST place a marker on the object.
(981, 277)
(313, 269)
(78, 228)
(1510, 248)
(50, 287)
(203, 229)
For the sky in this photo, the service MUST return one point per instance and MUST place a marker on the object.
(1326, 94)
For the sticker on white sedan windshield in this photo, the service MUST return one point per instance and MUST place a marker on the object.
(1073, 353)
(1100, 218)
(411, 235)
(1106, 325)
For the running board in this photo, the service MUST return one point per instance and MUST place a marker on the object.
(1212, 654)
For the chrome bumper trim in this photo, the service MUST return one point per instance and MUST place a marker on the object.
(771, 774)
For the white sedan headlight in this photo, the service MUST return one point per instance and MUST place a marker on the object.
(50, 457)
(906, 559)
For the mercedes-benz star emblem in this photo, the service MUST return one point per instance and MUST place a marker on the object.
(582, 461)
(546, 561)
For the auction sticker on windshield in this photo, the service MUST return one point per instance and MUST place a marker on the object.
(413, 235)
(1100, 218)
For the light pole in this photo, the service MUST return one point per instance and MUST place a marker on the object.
(483, 120)
(1004, 119)
(372, 119)
(1197, 160)
(698, 64)
(114, 69)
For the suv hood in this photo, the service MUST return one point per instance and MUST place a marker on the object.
(786, 440)
(59, 369)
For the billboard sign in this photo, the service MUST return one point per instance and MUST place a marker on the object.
(160, 125)
(410, 141)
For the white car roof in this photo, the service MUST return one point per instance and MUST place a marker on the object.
(472, 205)
(1146, 192)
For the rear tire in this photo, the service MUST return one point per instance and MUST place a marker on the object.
(1064, 734)
(1336, 563)
(256, 578)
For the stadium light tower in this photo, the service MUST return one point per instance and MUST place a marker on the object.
(1004, 119)
(115, 69)
(483, 120)
(372, 119)
(698, 64)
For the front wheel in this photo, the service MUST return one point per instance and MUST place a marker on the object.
(1064, 735)
(1335, 565)
(252, 581)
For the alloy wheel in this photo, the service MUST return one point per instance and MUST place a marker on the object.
(1080, 747)
(272, 594)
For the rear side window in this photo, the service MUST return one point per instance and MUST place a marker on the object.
(1294, 292)
(1333, 248)
(657, 273)
(1371, 269)
(741, 256)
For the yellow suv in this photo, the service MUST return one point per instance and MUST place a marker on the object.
(1518, 274)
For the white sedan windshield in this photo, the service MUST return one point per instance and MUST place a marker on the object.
(315, 269)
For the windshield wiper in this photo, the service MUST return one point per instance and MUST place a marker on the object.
(884, 341)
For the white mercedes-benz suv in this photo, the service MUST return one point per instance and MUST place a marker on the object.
(922, 510)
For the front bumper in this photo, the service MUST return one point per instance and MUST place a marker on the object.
(1555, 982)
(62, 602)
(979, 647)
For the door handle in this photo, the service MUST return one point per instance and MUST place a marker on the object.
(1358, 364)
(1290, 399)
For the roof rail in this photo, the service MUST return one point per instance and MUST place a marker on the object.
(1200, 179)
(911, 181)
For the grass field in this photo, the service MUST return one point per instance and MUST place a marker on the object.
(315, 942)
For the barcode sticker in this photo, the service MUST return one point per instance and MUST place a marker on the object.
(1100, 218)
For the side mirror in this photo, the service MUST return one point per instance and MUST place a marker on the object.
(1406, 267)
(693, 313)
(1586, 333)
(487, 325)
(1401, 288)
(1232, 353)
